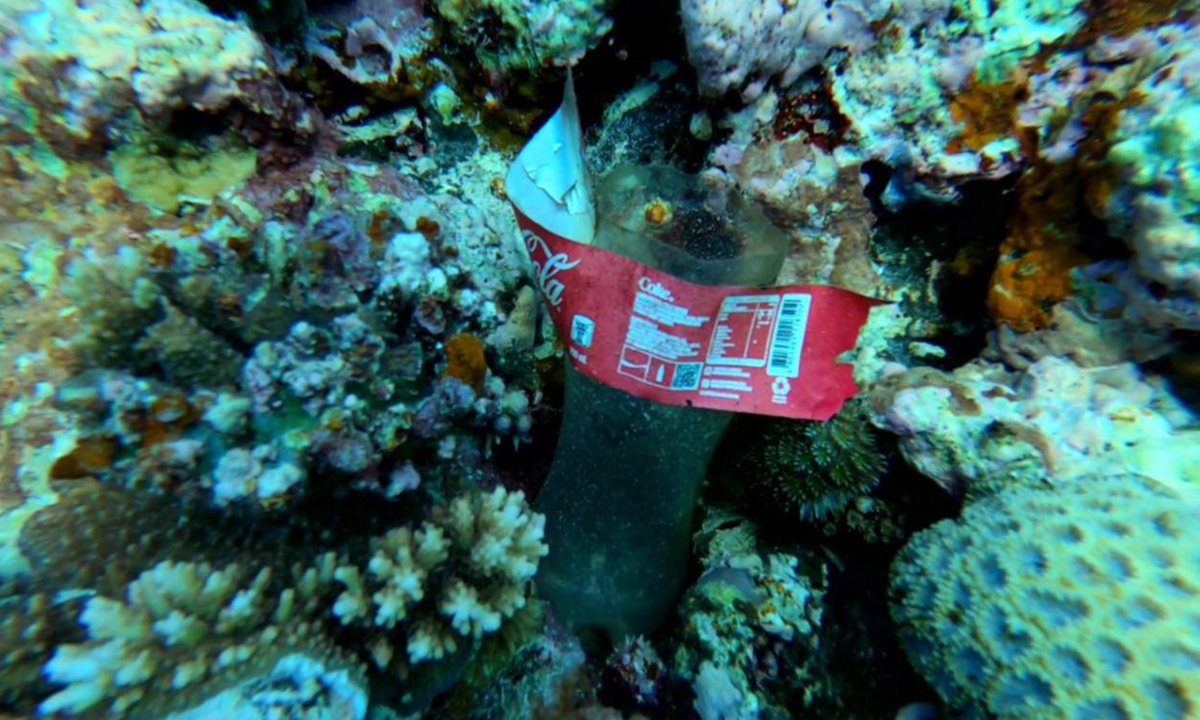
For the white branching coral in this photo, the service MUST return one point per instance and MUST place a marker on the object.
(180, 623)
(459, 576)
(402, 561)
(503, 536)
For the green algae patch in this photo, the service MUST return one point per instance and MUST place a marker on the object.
(166, 180)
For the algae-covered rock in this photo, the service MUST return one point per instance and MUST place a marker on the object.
(165, 181)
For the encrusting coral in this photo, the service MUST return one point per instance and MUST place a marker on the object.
(983, 426)
(753, 625)
(735, 47)
(1153, 206)
(510, 35)
(1077, 600)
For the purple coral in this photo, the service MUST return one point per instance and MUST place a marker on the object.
(335, 262)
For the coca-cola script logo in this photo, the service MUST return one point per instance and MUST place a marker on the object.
(549, 265)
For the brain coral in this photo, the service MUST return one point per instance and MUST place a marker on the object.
(1076, 601)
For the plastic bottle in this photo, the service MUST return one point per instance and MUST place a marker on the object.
(620, 495)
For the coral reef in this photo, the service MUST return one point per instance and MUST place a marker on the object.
(161, 56)
(1153, 203)
(1077, 599)
(211, 328)
(276, 381)
(984, 424)
(187, 635)
(750, 637)
(510, 35)
(941, 92)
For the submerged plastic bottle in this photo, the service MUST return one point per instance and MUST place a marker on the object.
(627, 472)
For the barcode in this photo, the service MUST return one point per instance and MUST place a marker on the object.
(687, 376)
(788, 340)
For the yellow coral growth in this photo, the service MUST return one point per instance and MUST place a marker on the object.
(465, 360)
(1024, 289)
(1043, 243)
(165, 182)
(987, 111)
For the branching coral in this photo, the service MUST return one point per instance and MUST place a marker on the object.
(185, 625)
(29, 628)
(457, 576)
(175, 623)
(232, 347)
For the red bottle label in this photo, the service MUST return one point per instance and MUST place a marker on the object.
(765, 351)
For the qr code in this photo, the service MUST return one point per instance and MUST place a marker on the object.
(582, 330)
(687, 376)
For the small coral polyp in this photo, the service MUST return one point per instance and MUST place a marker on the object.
(814, 469)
